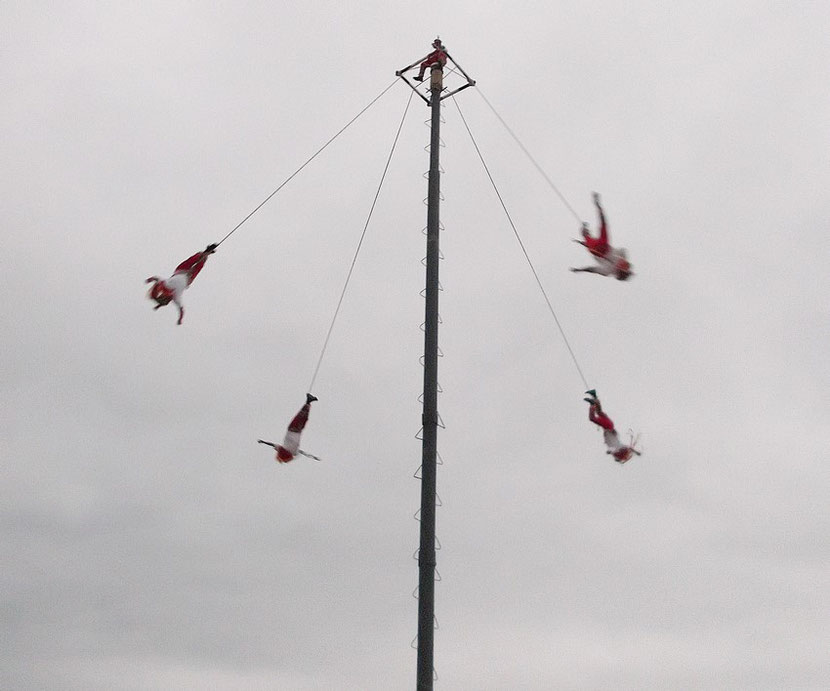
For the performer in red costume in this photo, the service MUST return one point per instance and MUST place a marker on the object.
(290, 446)
(611, 261)
(438, 55)
(171, 289)
(621, 452)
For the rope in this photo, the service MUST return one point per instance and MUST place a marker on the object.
(522, 245)
(360, 244)
(532, 160)
(319, 151)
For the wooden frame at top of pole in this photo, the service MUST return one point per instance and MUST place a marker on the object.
(414, 86)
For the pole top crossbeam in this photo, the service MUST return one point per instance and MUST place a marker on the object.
(440, 56)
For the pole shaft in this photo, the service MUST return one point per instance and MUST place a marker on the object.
(426, 553)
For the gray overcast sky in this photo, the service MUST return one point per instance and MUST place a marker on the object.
(149, 543)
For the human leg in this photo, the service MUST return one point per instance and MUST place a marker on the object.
(192, 266)
(300, 419)
(603, 226)
(598, 417)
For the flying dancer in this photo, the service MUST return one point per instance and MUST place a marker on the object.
(611, 261)
(290, 446)
(621, 452)
(171, 289)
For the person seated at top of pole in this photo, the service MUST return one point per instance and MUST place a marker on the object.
(171, 289)
(438, 55)
(612, 261)
(621, 452)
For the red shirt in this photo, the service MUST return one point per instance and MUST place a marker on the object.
(438, 56)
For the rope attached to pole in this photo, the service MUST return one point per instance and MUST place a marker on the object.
(319, 151)
(532, 160)
(522, 245)
(360, 244)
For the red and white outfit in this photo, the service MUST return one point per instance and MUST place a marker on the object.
(621, 452)
(439, 55)
(290, 446)
(171, 289)
(611, 261)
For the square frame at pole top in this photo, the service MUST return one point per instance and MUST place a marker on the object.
(414, 86)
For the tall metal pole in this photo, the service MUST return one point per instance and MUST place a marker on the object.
(426, 553)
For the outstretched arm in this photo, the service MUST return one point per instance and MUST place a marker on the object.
(154, 279)
(267, 443)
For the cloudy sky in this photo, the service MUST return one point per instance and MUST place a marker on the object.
(149, 543)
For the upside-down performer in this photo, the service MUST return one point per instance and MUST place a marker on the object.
(290, 446)
(171, 289)
(621, 452)
(611, 261)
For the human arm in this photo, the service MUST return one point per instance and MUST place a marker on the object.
(604, 267)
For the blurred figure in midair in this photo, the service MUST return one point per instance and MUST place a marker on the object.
(290, 446)
(611, 261)
(171, 289)
(621, 452)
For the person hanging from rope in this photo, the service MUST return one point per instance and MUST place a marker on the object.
(171, 289)
(611, 261)
(621, 452)
(290, 446)
(438, 55)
